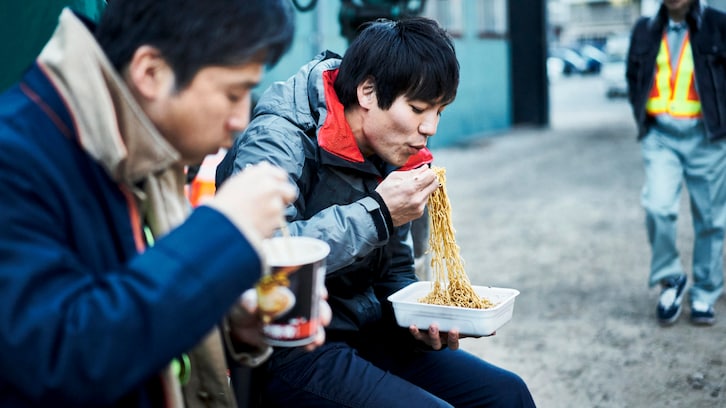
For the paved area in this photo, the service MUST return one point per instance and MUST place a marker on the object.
(555, 213)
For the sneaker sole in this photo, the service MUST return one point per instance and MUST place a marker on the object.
(677, 301)
(703, 321)
(669, 322)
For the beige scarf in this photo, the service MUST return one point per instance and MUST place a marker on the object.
(113, 129)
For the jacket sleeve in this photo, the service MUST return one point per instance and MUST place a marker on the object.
(630, 72)
(350, 230)
(84, 335)
(401, 272)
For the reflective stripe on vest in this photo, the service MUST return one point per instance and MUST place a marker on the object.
(674, 93)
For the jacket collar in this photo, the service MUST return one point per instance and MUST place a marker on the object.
(335, 135)
(110, 124)
(694, 17)
(111, 127)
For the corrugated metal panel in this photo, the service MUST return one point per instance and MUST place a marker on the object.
(25, 26)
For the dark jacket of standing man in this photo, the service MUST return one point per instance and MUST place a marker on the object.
(677, 81)
(707, 28)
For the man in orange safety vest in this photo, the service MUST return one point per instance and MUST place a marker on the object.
(676, 75)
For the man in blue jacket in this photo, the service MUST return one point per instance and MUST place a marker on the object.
(676, 73)
(93, 144)
(352, 135)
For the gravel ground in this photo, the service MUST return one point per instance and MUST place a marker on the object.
(555, 213)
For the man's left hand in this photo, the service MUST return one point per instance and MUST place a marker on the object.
(435, 339)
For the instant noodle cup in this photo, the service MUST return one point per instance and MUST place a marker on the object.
(288, 298)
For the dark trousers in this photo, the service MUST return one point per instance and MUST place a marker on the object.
(339, 375)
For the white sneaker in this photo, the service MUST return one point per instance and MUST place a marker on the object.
(702, 313)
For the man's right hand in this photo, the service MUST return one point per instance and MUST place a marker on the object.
(256, 197)
(407, 192)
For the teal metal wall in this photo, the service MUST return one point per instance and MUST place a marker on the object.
(25, 27)
(483, 103)
(315, 31)
(482, 107)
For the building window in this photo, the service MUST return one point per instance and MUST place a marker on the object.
(491, 18)
(449, 13)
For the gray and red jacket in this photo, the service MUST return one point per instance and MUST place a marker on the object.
(299, 125)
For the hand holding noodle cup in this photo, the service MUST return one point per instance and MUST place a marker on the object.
(288, 297)
(450, 301)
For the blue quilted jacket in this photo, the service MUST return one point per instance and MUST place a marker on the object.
(84, 319)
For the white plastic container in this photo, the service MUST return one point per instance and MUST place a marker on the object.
(471, 322)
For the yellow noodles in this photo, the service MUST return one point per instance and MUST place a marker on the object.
(446, 262)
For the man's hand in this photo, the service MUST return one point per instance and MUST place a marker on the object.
(435, 339)
(407, 192)
(246, 324)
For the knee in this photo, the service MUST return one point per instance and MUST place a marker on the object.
(658, 213)
(659, 206)
(514, 392)
(515, 382)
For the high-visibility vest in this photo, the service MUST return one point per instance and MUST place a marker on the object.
(203, 185)
(674, 93)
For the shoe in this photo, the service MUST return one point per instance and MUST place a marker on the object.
(671, 299)
(702, 314)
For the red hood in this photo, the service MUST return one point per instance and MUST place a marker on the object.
(424, 156)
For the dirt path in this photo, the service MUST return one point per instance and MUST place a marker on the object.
(556, 215)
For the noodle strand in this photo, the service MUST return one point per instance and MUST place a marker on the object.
(451, 285)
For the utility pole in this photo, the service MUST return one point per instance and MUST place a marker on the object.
(528, 45)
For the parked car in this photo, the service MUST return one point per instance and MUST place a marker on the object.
(572, 62)
(613, 76)
(613, 69)
(555, 68)
(594, 58)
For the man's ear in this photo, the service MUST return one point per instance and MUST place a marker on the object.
(149, 74)
(366, 92)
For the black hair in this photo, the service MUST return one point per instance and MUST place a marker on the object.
(193, 34)
(414, 57)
